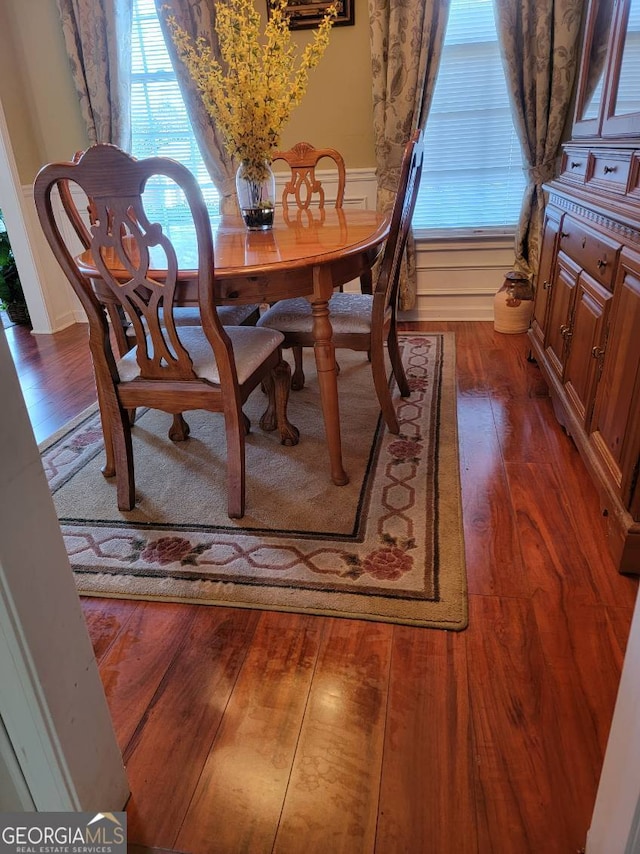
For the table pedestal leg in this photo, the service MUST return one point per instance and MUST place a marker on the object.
(324, 352)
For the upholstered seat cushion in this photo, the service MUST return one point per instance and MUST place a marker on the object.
(230, 315)
(348, 313)
(189, 315)
(251, 346)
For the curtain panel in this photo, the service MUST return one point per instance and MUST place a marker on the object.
(539, 42)
(406, 45)
(98, 41)
(197, 18)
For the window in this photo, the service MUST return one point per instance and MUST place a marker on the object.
(159, 121)
(472, 177)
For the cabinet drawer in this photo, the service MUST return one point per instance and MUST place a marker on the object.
(609, 170)
(590, 250)
(574, 164)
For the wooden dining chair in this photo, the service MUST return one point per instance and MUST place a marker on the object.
(303, 191)
(365, 321)
(303, 188)
(230, 315)
(170, 368)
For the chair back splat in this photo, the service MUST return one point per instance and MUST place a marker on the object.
(303, 186)
(364, 321)
(229, 315)
(136, 271)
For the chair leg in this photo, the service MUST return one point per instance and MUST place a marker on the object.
(268, 419)
(277, 385)
(366, 282)
(289, 434)
(109, 467)
(382, 388)
(179, 430)
(396, 363)
(123, 459)
(234, 426)
(297, 380)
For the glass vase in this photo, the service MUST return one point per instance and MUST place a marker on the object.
(256, 190)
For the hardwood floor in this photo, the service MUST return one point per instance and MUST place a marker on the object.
(249, 731)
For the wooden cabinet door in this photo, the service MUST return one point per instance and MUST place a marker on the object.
(616, 416)
(558, 324)
(586, 345)
(545, 272)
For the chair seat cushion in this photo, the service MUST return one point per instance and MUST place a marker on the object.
(251, 346)
(189, 315)
(230, 315)
(348, 313)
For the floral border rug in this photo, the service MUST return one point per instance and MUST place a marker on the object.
(388, 546)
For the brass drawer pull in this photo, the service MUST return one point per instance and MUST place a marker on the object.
(601, 264)
(608, 169)
(575, 164)
(565, 332)
(564, 234)
(597, 352)
(546, 286)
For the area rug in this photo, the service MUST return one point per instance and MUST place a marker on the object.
(387, 546)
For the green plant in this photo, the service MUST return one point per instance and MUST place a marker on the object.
(10, 288)
(11, 294)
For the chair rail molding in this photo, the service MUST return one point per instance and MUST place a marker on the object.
(457, 279)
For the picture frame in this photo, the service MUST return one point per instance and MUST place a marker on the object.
(308, 14)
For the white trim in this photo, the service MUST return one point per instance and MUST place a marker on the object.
(615, 824)
(14, 793)
(52, 702)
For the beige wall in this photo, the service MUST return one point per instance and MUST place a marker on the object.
(44, 119)
(48, 126)
(337, 110)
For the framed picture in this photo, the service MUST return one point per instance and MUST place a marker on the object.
(308, 14)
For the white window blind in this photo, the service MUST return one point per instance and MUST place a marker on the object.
(159, 121)
(472, 176)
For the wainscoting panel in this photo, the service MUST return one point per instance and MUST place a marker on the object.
(457, 280)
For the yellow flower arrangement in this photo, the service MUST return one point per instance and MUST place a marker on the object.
(251, 95)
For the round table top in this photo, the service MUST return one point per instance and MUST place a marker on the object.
(304, 239)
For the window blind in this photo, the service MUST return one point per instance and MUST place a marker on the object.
(472, 176)
(159, 121)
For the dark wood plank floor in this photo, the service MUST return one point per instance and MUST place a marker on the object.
(249, 731)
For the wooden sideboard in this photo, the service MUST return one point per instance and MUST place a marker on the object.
(585, 332)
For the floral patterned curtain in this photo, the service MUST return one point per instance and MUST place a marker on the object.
(98, 41)
(196, 17)
(406, 45)
(539, 40)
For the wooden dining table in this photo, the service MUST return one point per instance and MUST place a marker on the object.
(305, 254)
